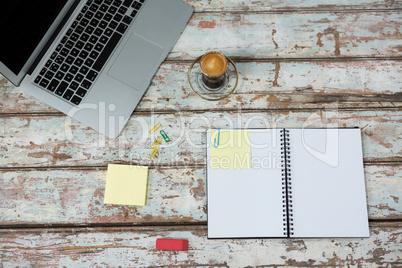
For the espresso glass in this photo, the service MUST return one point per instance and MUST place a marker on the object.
(213, 76)
(214, 70)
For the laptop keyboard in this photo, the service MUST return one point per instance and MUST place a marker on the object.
(77, 60)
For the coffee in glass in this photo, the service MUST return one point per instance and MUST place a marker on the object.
(213, 76)
(214, 68)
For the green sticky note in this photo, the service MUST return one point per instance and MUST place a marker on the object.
(234, 149)
(126, 185)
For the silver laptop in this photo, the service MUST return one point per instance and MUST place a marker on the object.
(93, 60)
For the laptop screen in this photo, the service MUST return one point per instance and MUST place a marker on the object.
(23, 24)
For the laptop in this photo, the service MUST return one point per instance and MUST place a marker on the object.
(92, 60)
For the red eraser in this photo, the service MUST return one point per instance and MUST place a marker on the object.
(172, 244)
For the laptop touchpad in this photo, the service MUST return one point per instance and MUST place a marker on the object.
(136, 62)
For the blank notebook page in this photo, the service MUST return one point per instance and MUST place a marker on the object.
(328, 192)
(247, 202)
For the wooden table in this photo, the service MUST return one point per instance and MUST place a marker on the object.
(302, 63)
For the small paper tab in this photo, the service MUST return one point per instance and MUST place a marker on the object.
(234, 150)
(126, 185)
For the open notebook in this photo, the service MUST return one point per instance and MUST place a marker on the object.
(286, 183)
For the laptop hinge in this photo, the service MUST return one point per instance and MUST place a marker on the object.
(53, 37)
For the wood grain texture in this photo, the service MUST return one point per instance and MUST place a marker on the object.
(135, 247)
(175, 195)
(59, 141)
(289, 5)
(76, 197)
(298, 85)
(268, 36)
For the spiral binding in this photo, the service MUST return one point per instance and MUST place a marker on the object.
(286, 184)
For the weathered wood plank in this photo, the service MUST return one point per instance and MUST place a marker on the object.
(60, 141)
(135, 247)
(296, 35)
(309, 35)
(263, 85)
(289, 5)
(377, 205)
(174, 196)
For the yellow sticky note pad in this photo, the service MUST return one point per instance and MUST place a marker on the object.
(126, 185)
(234, 149)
